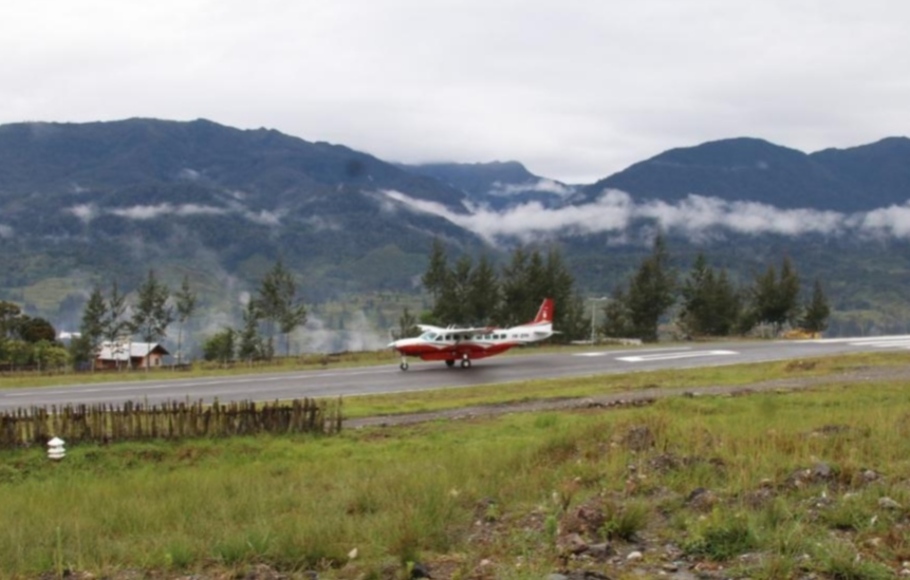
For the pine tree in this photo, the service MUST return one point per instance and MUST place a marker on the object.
(483, 293)
(617, 316)
(92, 327)
(559, 284)
(114, 324)
(710, 303)
(775, 300)
(452, 303)
(574, 321)
(651, 292)
(436, 278)
(185, 300)
(249, 347)
(152, 314)
(278, 304)
(815, 316)
(514, 288)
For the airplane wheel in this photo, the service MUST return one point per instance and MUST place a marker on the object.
(465, 363)
(403, 366)
(450, 363)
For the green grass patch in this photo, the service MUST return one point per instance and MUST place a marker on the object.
(496, 494)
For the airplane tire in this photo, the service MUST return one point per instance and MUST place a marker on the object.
(403, 366)
(465, 363)
(450, 363)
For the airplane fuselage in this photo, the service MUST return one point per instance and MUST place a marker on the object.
(465, 344)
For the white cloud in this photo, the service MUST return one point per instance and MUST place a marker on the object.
(6, 231)
(85, 212)
(88, 212)
(696, 217)
(322, 224)
(264, 217)
(885, 222)
(147, 212)
(189, 174)
(542, 185)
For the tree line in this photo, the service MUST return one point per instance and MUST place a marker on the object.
(275, 309)
(477, 294)
(28, 342)
(709, 302)
(108, 317)
(111, 318)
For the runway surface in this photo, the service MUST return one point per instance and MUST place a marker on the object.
(435, 375)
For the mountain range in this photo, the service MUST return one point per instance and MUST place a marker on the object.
(81, 204)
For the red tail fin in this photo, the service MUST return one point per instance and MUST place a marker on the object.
(545, 314)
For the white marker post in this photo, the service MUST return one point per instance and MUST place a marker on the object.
(55, 450)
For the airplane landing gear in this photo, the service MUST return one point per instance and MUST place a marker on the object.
(450, 363)
(466, 363)
(404, 364)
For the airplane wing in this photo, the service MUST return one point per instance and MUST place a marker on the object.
(457, 329)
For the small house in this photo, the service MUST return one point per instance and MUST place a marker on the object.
(130, 354)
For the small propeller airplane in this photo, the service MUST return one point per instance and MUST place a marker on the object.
(464, 344)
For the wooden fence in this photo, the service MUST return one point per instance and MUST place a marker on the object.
(175, 420)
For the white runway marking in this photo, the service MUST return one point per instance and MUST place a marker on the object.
(899, 341)
(615, 352)
(884, 343)
(675, 355)
(860, 341)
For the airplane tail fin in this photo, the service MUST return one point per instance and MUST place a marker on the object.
(545, 314)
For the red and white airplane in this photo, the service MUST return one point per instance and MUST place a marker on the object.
(464, 344)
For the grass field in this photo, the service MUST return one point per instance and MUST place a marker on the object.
(762, 486)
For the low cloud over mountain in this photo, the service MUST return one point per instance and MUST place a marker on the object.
(695, 217)
(90, 203)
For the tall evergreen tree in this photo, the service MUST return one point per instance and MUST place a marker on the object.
(514, 288)
(436, 278)
(249, 347)
(452, 305)
(617, 316)
(279, 306)
(775, 300)
(185, 303)
(559, 284)
(114, 323)
(152, 314)
(538, 287)
(575, 323)
(651, 291)
(91, 329)
(817, 311)
(483, 293)
(710, 303)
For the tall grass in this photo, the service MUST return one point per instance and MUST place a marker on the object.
(400, 495)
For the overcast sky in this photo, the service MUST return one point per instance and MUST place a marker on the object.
(575, 89)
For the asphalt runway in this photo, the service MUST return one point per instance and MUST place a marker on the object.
(435, 375)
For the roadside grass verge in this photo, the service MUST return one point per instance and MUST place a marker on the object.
(769, 486)
(606, 384)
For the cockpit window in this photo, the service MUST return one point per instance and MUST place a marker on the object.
(428, 336)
